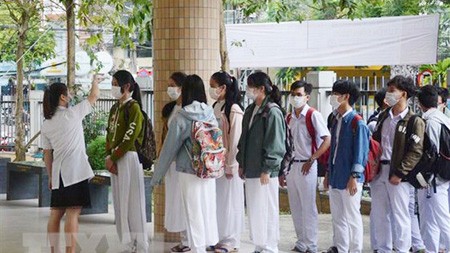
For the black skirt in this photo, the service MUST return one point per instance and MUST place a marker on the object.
(76, 195)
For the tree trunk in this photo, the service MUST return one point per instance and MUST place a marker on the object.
(20, 131)
(70, 12)
(225, 61)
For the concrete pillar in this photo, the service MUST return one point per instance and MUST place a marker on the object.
(322, 82)
(186, 38)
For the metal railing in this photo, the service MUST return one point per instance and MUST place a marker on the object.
(7, 116)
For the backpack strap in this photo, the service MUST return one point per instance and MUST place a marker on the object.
(409, 131)
(267, 108)
(311, 130)
(355, 122)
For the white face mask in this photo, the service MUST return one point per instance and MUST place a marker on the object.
(213, 93)
(115, 92)
(334, 102)
(391, 99)
(173, 92)
(297, 101)
(250, 92)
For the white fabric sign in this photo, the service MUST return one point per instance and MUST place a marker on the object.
(360, 42)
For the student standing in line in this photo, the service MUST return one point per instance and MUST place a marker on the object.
(229, 188)
(434, 207)
(174, 219)
(348, 156)
(390, 193)
(66, 161)
(261, 149)
(198, 194)
(302, 178)
(442, 101)
(127, 179)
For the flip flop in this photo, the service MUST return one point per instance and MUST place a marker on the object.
(224, 249)
(211, 248)
(180, 248)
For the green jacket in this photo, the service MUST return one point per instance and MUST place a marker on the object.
(403, 162)
(123, 131)
(262, 145)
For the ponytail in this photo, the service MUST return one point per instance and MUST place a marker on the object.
(51, 98)
(137, 94)
(275, 95)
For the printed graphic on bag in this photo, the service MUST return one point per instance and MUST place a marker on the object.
(208, 152)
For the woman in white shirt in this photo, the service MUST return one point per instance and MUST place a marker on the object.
(229, 188)
(66, 160)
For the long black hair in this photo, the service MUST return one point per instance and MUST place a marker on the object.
(124, 77)
(260, 79)
(193, 90)
(232, 92)
(51, 98)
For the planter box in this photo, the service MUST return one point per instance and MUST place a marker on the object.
(3, 162)
(99, 190)
(27, 180)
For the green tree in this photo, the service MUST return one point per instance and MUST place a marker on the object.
(23, 15)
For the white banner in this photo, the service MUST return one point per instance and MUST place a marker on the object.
(401, 40)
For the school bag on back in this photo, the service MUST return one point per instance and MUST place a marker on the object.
(147, 149)
(420, 176)
(443, 159)
(322, 161)
(372, 167)
(208, 152)
(288, 157)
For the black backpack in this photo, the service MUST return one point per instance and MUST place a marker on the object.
(288, 158)
(423, 173)
(147, 150)
(443, 159)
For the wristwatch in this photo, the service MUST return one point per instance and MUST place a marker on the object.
(311, 160)
(355, 175)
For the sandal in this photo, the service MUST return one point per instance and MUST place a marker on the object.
(180, 248)
(224, 249)
(211, 248)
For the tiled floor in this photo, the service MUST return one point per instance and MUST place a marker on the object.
(23, 230)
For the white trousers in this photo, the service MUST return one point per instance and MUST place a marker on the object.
(230, 210)
(416, 237)
(347, 220)
(302, 202)
(199, 198)
(174, 219)
(129, 202)
(390, 203)
(435, 217)
(263, 214)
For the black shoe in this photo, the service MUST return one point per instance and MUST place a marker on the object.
(332, 249)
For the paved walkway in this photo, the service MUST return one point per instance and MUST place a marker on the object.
(23, 230)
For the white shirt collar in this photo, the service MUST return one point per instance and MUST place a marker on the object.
(401, 115)
(303, 112)
(338, 116)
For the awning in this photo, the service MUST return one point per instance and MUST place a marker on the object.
(405, 40)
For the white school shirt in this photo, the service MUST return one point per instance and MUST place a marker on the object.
(218, 112)
(253, 115)
(174, 112)
(338, 131)
(64, 134)
(302, 138)
(388, 133)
